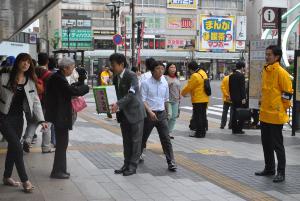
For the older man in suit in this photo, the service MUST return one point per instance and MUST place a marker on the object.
(130, 112)
(237, 92)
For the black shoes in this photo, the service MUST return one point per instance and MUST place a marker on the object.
(222, 127)
(59, 175)
(265, 173)
(26, 147)
(238, 132)
(197, 136)
(280, 177)
(120, 171)
(129, 172)
(172, 166)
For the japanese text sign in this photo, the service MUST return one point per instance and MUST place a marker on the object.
(180, 43)
(217, 33)
(183, 23)
(182, 4)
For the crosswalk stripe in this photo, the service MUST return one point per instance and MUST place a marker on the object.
(208, 111)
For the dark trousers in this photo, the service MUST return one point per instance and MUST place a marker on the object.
(272, 140)
(11, 128)
(200, 118)
(60, 157)
(163, 131)
(226, 107)
(132, 141)
(237, 125)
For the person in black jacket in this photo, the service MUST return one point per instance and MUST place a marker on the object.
(237, 92)
(59, 111)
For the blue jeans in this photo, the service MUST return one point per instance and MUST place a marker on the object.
(173, 108)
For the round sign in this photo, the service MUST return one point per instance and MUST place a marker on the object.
(117, 39)
(269, 15)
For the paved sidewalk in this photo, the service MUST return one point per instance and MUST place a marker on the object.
(218, 167)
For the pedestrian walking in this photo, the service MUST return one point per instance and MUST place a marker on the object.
(226, 103)
(237, 92)
(43, 75)
(174, 96)
(18, 94)
(276, 95)
(199, 98)
(59, 111)
(155, 95)
(130, 112)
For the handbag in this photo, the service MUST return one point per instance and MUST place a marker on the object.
(78, 103)
(207, 87)
(243, 114)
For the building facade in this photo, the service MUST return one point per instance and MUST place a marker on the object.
(209, 31)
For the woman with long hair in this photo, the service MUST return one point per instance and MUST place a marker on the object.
(18, 94)
(174, 95)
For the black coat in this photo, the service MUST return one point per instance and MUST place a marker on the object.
(58, 100)
(237, 88)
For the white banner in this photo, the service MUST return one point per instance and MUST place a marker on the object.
(241, 28)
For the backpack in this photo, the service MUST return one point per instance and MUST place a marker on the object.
(207, 87)
(41, 84)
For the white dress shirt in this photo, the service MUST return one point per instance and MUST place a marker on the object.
(155, 93)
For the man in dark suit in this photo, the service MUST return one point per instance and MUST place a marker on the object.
(237, 95)
(130, 112)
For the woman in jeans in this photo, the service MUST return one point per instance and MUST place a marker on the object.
(59, 111)
(18, 94)
(174, 97)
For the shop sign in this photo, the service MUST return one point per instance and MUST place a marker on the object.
(182, 4)
(217, 33)
(240, 45)
(103, 32)
(180, 44)
(185, 23)
(77, 35)
(241, 28)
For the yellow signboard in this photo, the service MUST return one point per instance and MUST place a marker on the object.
(182, 4)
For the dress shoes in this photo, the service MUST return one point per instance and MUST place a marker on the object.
(265, 173)
(120, 171)
(172, 166)
(280, 177)
(197, 136)
(59, 175)
(129, 172)
(222, 127)
(238, 132)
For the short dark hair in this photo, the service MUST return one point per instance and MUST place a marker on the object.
(239, 65)
(148, 62)
(119, 59)
(193, 65)
(154, 64)
(43, 59)
(276, 50)
(167, 69)
(52, 63)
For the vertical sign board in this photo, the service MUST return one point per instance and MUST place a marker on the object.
(104, 97)
(296, 86)
(257, 61)
(270, 18)
(217, 33)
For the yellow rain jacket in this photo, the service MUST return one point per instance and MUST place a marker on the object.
(104, 77)
(276, 83)
(225, 89)
(195, 87)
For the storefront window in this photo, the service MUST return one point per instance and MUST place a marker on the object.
(104, 44)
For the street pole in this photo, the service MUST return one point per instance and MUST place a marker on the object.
(279, 27)
(115, 24)
(132, 34)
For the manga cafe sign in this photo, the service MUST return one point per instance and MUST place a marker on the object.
(217, 33)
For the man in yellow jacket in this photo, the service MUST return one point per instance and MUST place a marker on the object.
(226, 102)
(195, 87)
(276, 98)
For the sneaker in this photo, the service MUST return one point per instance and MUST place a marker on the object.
(34, 139)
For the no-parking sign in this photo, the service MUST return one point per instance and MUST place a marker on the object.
(117, 39)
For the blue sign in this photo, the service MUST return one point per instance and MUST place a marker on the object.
(117, 39)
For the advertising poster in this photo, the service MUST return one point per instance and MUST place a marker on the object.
(240, 45)
(257, 61)
(217, 33)
(179, 44)
(104, 97)
(241, 28)
(182, 4)
(181, 22)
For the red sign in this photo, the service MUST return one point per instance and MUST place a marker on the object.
(117, 39)
(186, 23)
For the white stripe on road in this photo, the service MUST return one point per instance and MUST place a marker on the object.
(216, 98)
(208, 111)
